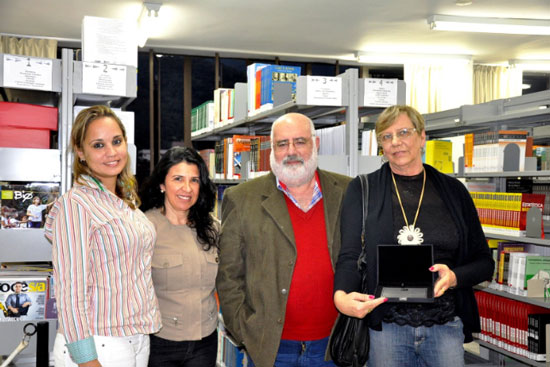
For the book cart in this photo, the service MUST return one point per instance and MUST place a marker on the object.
(529, 112)
(350, 110)
(52, 165)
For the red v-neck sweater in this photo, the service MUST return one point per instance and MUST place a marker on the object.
(310, 310)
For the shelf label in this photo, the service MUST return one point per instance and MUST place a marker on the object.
(103, 79)
(324, 91)
(28, 72)
(380, 92)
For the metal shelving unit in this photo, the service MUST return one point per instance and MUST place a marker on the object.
(528, 112)
(517, 357)
(47, 165)
(349, 112)
(36, 165)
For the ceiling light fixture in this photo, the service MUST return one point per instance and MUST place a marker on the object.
(531, 65)
(403, 58)
(489, 25)
(147, 21)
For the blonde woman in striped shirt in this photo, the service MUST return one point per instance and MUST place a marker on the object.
(102, 251)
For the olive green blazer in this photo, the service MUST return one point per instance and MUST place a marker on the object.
(257, 257)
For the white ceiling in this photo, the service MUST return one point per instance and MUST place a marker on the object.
(298, 29)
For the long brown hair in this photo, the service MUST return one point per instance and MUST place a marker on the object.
(126, 185)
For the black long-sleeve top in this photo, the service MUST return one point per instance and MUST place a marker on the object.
(473, 263)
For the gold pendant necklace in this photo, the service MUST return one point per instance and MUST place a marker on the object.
(409, 235)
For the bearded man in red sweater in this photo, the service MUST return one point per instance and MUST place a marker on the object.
(279, 244)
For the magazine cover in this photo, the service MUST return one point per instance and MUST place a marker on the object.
(23, 298)
(24, 205)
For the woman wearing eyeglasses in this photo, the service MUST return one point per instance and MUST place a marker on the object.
(411, 203)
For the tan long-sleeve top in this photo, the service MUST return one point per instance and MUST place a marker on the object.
(184, 278)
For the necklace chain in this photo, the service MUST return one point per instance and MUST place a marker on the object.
(419, 201)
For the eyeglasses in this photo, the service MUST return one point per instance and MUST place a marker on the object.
(299, 143)
(399, 134)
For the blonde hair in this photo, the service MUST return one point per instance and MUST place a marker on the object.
(390, 114)
(126, 186)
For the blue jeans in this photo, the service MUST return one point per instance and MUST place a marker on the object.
(301, 354)
(397, 346)
(193, 353)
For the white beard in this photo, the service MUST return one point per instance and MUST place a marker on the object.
(295, 174)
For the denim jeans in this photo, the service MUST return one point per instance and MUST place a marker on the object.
(437, 345)
(112, 351)
(192, 353)
(301, 354)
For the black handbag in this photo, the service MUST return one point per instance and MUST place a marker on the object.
(349, 343)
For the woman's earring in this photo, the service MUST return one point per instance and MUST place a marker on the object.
(161, 191)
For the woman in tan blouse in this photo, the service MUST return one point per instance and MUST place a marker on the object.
(178, 199)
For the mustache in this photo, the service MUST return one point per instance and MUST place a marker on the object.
(293, 158)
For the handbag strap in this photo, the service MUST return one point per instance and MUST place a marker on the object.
(365, 203)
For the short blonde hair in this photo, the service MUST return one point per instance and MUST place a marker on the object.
(126, 183)
(390, 114)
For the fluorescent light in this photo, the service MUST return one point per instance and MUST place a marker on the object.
(531, 65)
(148, 20)
(489, 25)
(403, 58)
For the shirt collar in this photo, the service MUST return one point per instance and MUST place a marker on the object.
(317, 193)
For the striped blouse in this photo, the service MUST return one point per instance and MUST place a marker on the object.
(102, 251)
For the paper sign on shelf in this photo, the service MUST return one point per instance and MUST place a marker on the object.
(28, 72)
(380, 92)
(103, 79)
(324, 91)
(107, 40)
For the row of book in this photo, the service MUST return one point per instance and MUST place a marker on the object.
(261, 82)
(506, 212)
(512, 325)
(484, 151)
(542, 153)
(228, 154)
(516, 264)
(202, 118)
(214, 114)
(229, 354)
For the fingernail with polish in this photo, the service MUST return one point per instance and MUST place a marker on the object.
(371, 297)
(432, 268)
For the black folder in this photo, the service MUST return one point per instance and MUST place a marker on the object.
(403, 273)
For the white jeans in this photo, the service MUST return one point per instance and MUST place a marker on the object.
(112, 351)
